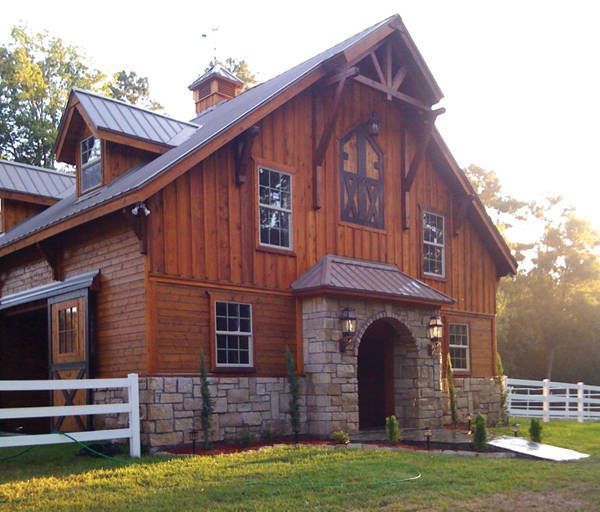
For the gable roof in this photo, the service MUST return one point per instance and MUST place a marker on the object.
(337, 274)
(35, 181)
(216, 70)
(222, 123)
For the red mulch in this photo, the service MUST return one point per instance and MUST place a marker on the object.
(220, 448)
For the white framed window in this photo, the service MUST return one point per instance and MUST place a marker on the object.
(91, 164)
(275, 208)
(233, 336)
(434, 249)
(458, 346)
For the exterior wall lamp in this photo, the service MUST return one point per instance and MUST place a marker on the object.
(374, 125)
(348, 324)
(435, 330)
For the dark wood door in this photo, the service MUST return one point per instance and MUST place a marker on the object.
(69, 356)
(375, 376)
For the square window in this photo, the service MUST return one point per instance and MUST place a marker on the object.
(233, 349)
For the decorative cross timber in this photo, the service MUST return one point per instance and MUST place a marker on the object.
(69, 395)
(242, 153)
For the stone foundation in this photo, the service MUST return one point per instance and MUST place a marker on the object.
(476, 395)
(170, 408)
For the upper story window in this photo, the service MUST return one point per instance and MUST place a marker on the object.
(233, 333)
(458, 346)
(91, 164)
(434, 257)
(275, 208)
(361, 179)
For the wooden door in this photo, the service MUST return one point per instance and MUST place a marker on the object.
(69, 356)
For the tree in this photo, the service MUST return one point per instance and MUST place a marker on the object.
(239, 68)
(37, 71)
(128, 86)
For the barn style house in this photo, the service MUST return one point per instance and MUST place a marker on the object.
(319, 212)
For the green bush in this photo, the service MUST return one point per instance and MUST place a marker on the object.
(340, 437)
(480, 434)
(294, 385)
(391, 429)
(245, 437)
(451, 390)
(207, 408)
(266, 435)
(535, 430)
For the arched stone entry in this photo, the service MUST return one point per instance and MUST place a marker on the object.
(375, 372)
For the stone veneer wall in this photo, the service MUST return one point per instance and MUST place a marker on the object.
(331, 375)
(170, 408)
(475, 395)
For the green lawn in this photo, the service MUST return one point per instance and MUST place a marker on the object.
(53, 478)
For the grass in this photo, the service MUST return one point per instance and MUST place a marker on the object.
(53, 478)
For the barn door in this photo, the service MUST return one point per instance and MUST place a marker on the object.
(69, 355)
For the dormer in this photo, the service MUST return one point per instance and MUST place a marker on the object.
(104, 138)
(216, 85)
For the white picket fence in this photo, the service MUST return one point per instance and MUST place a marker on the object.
(552, 400)
(132, 408)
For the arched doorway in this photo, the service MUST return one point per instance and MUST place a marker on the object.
(376, 374)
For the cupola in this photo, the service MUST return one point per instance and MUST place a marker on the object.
(217, 84)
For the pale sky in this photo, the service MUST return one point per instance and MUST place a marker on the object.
(520, 78)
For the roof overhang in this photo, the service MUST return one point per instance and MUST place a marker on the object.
(27, 198)
(71, 284)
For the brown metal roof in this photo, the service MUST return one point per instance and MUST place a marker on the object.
(336, 273)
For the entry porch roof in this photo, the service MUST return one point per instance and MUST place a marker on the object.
(348, 276)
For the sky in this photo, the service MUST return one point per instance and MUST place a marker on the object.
(520, 78)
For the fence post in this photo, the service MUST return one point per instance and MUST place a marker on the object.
(546, 400)
(580, 402)
(133, 391)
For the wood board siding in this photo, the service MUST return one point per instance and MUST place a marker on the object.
(15, 212)
(108, 245)
(204, 228)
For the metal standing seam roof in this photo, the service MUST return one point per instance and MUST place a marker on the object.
(354, 275)
(219, 70)
(119, 117)
(209, 125)
(37, 181)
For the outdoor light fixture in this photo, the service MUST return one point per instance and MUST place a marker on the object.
(435, 329)
(348, 321)
(515, 427)
(374, 125)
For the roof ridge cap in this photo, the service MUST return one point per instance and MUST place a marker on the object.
(131, 105)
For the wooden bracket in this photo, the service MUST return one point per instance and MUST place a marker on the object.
(51, 252)
(242, 151)
(423, 134)
(139, 225)
(321, 147)
(342, 74)
(461, 212)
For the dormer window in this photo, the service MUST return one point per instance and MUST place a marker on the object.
(91, 164)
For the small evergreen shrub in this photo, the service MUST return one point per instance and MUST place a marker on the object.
(266, 435)
(535, 430)
(391, 429)
(451, 390)
(207, 408)
(340, 437)
(245, 437)
(294, 386)
(480, 434)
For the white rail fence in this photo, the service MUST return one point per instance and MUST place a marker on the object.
(552, 400)
(132, 408)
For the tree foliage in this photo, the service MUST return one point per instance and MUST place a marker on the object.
(294, 387)
(37, 71)
(207, 408)
(549, 313)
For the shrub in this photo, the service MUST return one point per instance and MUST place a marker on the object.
(451, 390)
(480, 434)
(503, 419)
(340, 437)
(207, 408)
(535, 430)
(266, 435)
(245, 437)
(391, 429)
(294, 386)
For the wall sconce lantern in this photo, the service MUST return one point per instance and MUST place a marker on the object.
(374, 125)
(348, 324)
(435, 330)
